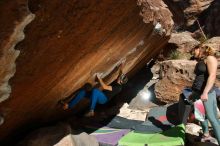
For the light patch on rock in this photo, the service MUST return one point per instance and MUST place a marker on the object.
(7, 60)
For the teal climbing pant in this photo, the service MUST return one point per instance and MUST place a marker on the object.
(211, 114)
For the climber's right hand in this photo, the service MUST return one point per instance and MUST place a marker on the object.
(65, 106)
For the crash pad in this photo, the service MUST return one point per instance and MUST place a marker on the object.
(159, 119)
(172, 137)
(109, 136)
(123, 123)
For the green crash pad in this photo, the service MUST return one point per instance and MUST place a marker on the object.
(172, 137)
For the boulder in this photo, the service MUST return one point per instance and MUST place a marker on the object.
(194, 8)
(157, 12)
(83, 139)
(214, 43)
(187, 12)
(47, 136)
(66, 45)
(66, 141)
(212, 20)
(184, 41)
(175, 75)
(58, 135)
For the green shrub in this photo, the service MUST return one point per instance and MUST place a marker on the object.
(174, 55)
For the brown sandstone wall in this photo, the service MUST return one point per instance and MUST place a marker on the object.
(66, 44)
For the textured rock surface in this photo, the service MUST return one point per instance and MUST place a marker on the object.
(11, 32)
(212, 22)
(70, 41)
(47, 136)
(175, 75)
(184, 41)
(214, 43)
(66, 44)
(66, 141)
(58, 135)
(157, 11)
(193, 129)
(194, 8)
(85, 139)
(186, 12)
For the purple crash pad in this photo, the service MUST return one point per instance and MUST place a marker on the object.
(109, 136)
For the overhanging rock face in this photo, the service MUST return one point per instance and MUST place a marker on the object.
(67, 43)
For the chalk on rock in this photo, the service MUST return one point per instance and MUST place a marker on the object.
(159, 29)
(99, 74)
